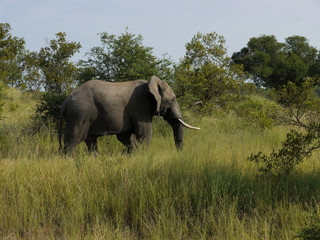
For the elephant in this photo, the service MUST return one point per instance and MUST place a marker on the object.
(124, 109)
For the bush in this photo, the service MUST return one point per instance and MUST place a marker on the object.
(49, 108)
(295, 148)
(311, 232)
(301, 108)
(258, 110)
(300, 102)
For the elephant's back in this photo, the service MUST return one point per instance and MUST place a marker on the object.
(104, 84)
(109, 92)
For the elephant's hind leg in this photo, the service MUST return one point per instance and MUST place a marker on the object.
(74, 134)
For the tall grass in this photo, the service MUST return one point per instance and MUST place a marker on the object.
(207, 191)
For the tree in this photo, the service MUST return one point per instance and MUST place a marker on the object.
(123, 58)
(205, 74)
(33, 78)
(299, 46)
(54, 69)
(273, 64)
(59, 73)
(11, 50)
(314, 70)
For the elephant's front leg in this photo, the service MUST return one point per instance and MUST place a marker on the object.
(143, 132)
(131, 139)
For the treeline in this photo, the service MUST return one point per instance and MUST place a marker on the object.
(206, 73)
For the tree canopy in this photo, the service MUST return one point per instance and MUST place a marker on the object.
(205, 73)
(11, 52)
(50, 69)
(122, 58)
(54, 61)
(273, 64)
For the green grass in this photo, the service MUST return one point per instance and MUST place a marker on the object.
(207, 191)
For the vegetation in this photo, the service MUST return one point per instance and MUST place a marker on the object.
(213, 189)
(301, 109)
(259, 111)
(273, 64)
(207, 191)
(123, 58)
(206, 75)
(312, 231)
(11, 52)
(59, 73)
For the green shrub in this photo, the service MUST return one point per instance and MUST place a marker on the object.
(310, 232)
(301, 109)
(261, 111)
(295, 148)
(49, 108)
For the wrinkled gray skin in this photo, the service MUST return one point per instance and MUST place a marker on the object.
(126, 109)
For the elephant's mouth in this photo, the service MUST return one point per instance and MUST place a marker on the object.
(174, 117)
(187, 125)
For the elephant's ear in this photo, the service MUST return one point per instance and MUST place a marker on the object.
(154, 90)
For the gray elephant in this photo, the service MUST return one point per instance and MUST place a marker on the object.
(126, 109)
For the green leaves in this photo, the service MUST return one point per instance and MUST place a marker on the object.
(301, 103)
(123, 58)
(206, 75)
(273, 64)
(301, 108)
(296, 147)
(56, 73)
(259, 111)
(11, 50)
(311, 231)
(54, 61)
(206, 49)
(49, 108)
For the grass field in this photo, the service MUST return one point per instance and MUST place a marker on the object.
(207, 191)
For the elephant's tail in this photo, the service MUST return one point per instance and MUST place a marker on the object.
(62, 114)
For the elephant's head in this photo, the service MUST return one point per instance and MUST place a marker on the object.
(166, 105)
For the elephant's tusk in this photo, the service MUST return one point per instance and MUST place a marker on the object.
(187, 125)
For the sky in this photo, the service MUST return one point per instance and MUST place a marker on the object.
(165, 25)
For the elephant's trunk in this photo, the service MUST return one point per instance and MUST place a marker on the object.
(177, 132)
(177, 127)
(178, 135)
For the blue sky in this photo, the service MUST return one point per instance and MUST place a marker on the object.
(166, 25)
